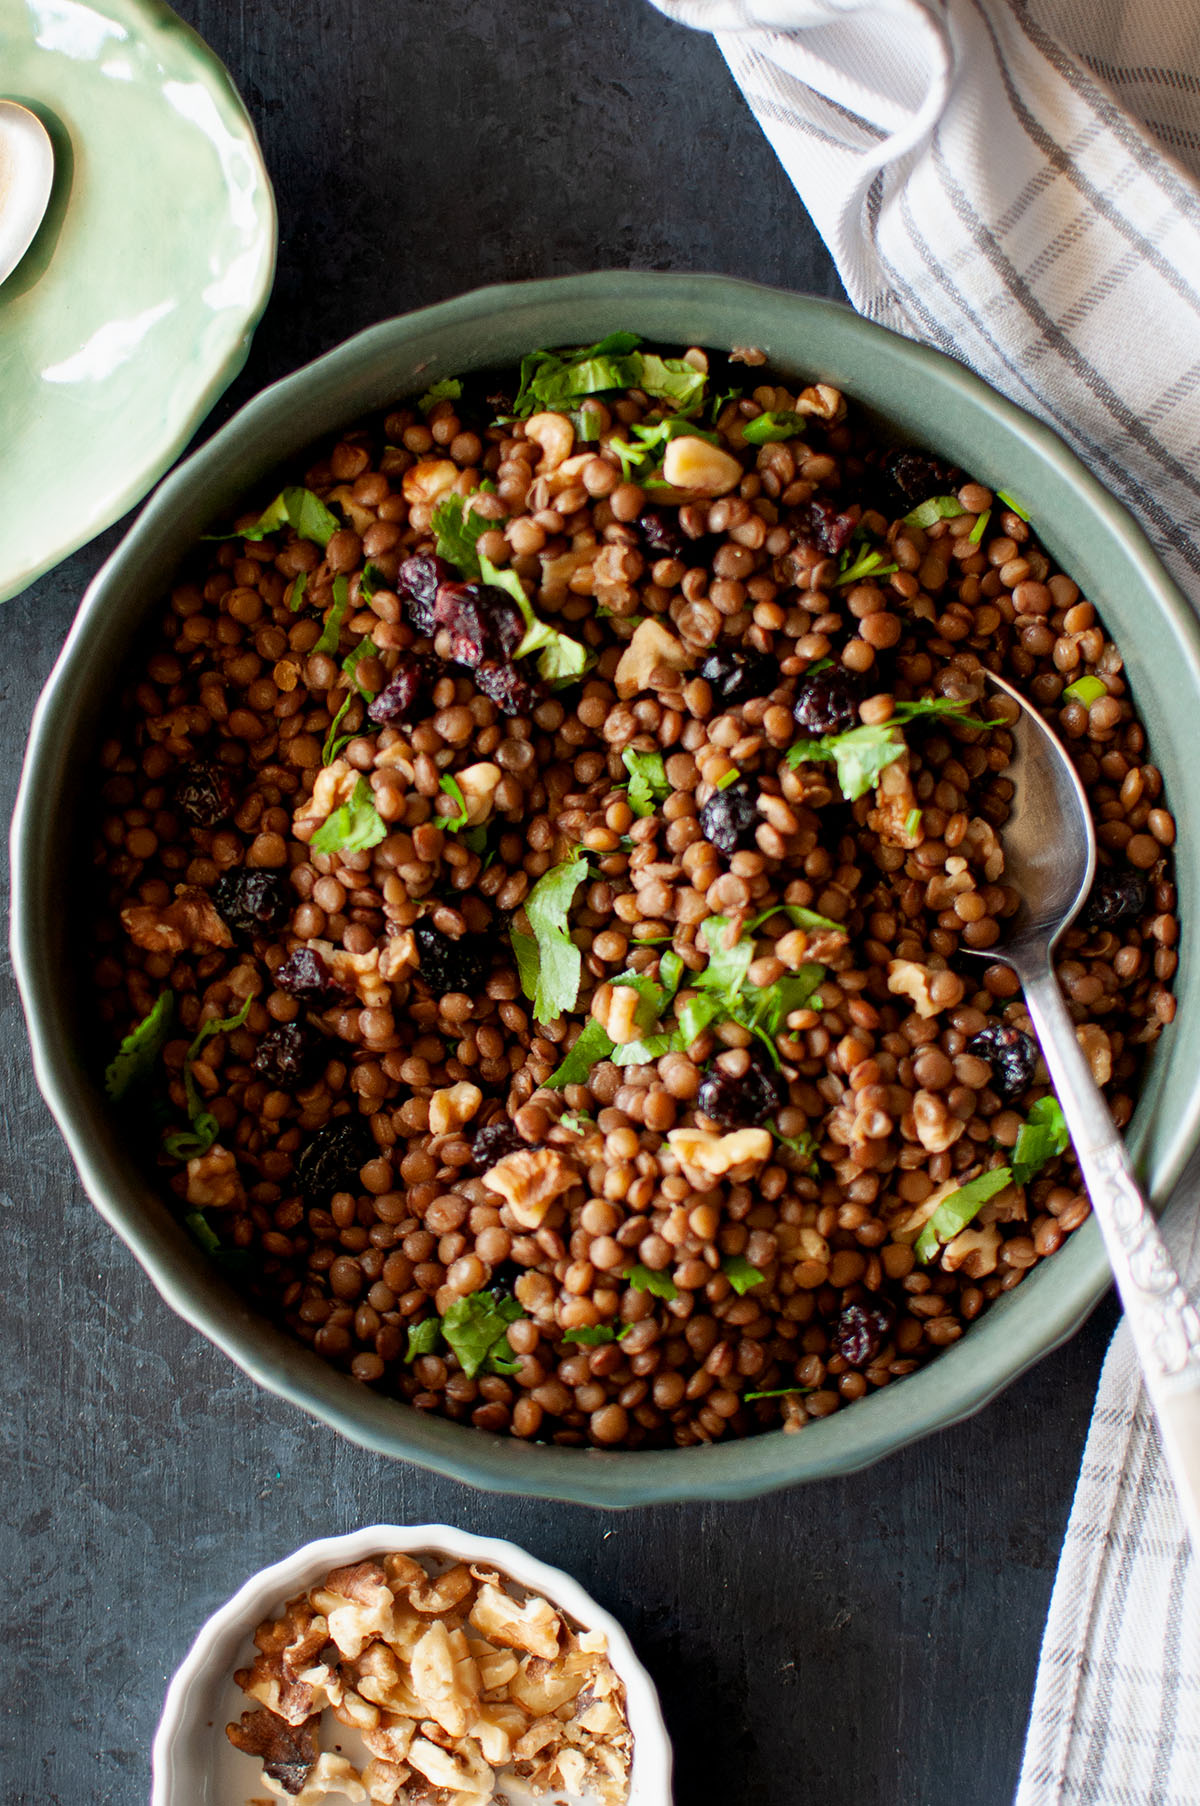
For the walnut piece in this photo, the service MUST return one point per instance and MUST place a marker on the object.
(692, 463)
(288, 1752)
(908, 979)
(555, 434)
(429, 480)
(333, 787)
(895, 803)
(451, 1108)
(973, 1251)
(213, 1181)
(189, 924)
(737, 1153)
(330, 1775)
(529, 1181)
(936, 1129)
(651, 649)
(534, 1626)
(478, 784)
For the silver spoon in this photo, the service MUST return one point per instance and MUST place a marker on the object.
(26, 179)
(1050, 859)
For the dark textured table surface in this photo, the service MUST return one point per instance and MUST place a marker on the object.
(867, 1641)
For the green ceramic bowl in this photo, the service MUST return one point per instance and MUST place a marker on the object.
(926, 397)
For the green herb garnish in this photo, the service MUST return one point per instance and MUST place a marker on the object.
(1085, 690)
(646, 1279)
(975, 536)
(449, 389)
(202, 1229)
(955, 1212)
(748, 1398)
(186, 1144)
(560, 659)
(740, 1274)
(803, 1145)
(1010, 503)
(648, 782)
(457, 530)
(867, 564)
(331, 633)
(135, 1057)
(423, 1337)
(592, 1045)
(297, 508)
(912, 822)
(641, 454)
(731, 777)
(548, 961)
(1043, 1134)
(366, 648)
(860, 755)
(354, 827)
(552, 379)
(575, 1119)
(595, 1334)
(938, 507)
(296, 595)
(769, 427)
(453, 789)
(476, 1329)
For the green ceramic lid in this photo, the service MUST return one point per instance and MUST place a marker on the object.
(133, 308)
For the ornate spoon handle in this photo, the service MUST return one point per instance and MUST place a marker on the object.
(1164, 1322)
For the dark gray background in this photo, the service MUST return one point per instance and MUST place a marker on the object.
(853, 1644)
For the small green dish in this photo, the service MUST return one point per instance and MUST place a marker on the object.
(927, 398)
(133, 309)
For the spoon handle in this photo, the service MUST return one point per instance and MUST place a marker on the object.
(1165, 1324)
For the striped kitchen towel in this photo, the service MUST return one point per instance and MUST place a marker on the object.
(1014, 181)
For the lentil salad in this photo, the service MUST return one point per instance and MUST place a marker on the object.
(540, 883)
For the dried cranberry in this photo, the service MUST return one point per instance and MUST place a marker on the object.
(304, 974)
(827, 703)
(736, 676)
(332, 1158)
(417, 583)
(861, 1331)
(820, 522)
(746, 1102)
(483, 623)
(448, 965)
(914, 476)
(493, 1142)
(1009, 1052)
(252, 901)
(729, 817)
(1115, 897)
(661, 534)
(203, 794)
(512, 692)
(398, 698)
(282, 1055)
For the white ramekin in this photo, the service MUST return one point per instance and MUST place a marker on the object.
(194, 1762)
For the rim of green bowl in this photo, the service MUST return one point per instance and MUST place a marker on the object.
(483, 328)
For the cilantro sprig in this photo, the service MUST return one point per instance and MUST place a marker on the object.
(354, 827)
(475, 1329)
(555, 379)
(549, 964)
(648, 782)
(297, 508)
(186, 1144)
(134, 1059)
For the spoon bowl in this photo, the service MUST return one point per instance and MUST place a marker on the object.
(26, 179)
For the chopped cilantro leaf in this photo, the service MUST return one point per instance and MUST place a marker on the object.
(769, 427)
(354, 827)
(334, 742)
(1043, 1134)
(476, 1330)
(423, 1337)
(1010, 503)
(575, 1119)
(296, 593)
(457, 529)
(550, 970)
(646, 1279)
(331, 633)
(134, 1059)
(592, 1045)
(594, 1335)
(297, 508)
(955, 1212)
(803, 1145)
(948, 706)
(648, 783)
(561, 659)
(859, 756)
(938, 507)
(186, 1144)
(740, 1274)
(452, 823)
(1087, 690)
(449, 389)
(366, 648)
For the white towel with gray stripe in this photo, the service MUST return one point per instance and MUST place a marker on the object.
(1014, 181)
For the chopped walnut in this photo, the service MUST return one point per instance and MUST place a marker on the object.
(429, 480)
(478, 784)
(450, 1108)
(615, 1008)
(823, 401)
(908, 979)
(895, 803)
(463, 1686)
(747, 354)
(736, 1155)
(983, 844)
(213, 1181)
(1008, 1206)
(189, 924)
(651, 649)
(333, 787)
(555, 434)
(1098, 1049)
(973, 1251)
(356, 972)
(530, 1180)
